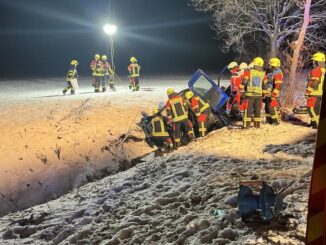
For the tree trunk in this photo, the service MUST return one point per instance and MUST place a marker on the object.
(295, 57)
(274, 49)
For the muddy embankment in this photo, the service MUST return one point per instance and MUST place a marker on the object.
(48, 149)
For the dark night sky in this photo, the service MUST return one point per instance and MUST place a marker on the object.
(40, 37)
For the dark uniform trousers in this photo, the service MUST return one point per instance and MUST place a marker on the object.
(253, 108)
(178, 127)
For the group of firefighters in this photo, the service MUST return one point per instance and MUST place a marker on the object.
(102, 74)
(250, 87)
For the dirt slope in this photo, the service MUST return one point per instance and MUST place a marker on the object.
(171, 199)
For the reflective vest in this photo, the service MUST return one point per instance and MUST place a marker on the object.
(319, 90)
(255, 84)
(72, 74)
(178, 110)
(199, 107)
(106, 68)
(134, 70)
(158, 127)
(97, 68)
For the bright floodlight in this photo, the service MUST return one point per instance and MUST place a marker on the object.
(110, 29)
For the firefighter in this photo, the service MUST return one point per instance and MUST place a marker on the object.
(252, 84)
(235, 82)
(159, 133)
(71, 75)
(97, 73)
(177, 116)
(272, 91)
(134, 70)
(107, 74)
(314, 91)
(201, 110)
(243, 67)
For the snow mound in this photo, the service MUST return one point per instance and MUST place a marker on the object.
(176, 199)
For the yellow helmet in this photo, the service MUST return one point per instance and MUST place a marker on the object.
(318, 57)
(275, 62)
(189, 95)
(74, 62)
(133, 59)
(258, 61)
(243, 66)
(97, 57)
(170, 91)
(251, 65)
(155, 110)
(232, 65)
(104, 57)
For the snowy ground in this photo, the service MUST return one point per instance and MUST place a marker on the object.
(167, 200)
(51, 143)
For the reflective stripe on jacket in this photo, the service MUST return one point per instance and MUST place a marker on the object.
(274, 84)
(175, 108)
(72, 74)
(158, 127)
(317, 75)
(134, 69)
(97, 68)
(198, 105)
(255, 84)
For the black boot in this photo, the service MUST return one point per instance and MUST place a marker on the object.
(314, 125)
(269, 120)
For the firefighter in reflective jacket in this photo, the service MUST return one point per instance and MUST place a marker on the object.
(134, 70)
(177, 115)
(314, 90)
(201, 110)
(253, 86)
(272, 91)
(71, 75)
(235, 82)
(107, 74)
(159, 133)
(97, 73)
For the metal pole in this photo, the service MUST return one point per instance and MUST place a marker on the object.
(112, 58)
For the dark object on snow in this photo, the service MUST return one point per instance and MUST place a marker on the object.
(291, 118)
(267, 200)
(145, 124)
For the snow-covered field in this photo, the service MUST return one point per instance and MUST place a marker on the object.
(51, 143)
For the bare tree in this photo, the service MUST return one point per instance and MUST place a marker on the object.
(311, 38)
(241, 23)
(296, 54)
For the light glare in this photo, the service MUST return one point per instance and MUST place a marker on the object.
(110, 29)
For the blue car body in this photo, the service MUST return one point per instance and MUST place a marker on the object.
(203, 86)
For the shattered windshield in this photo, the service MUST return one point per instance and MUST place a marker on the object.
(202, 86)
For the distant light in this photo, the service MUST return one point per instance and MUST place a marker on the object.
(110, 29)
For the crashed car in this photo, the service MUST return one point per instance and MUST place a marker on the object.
(208, 90)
